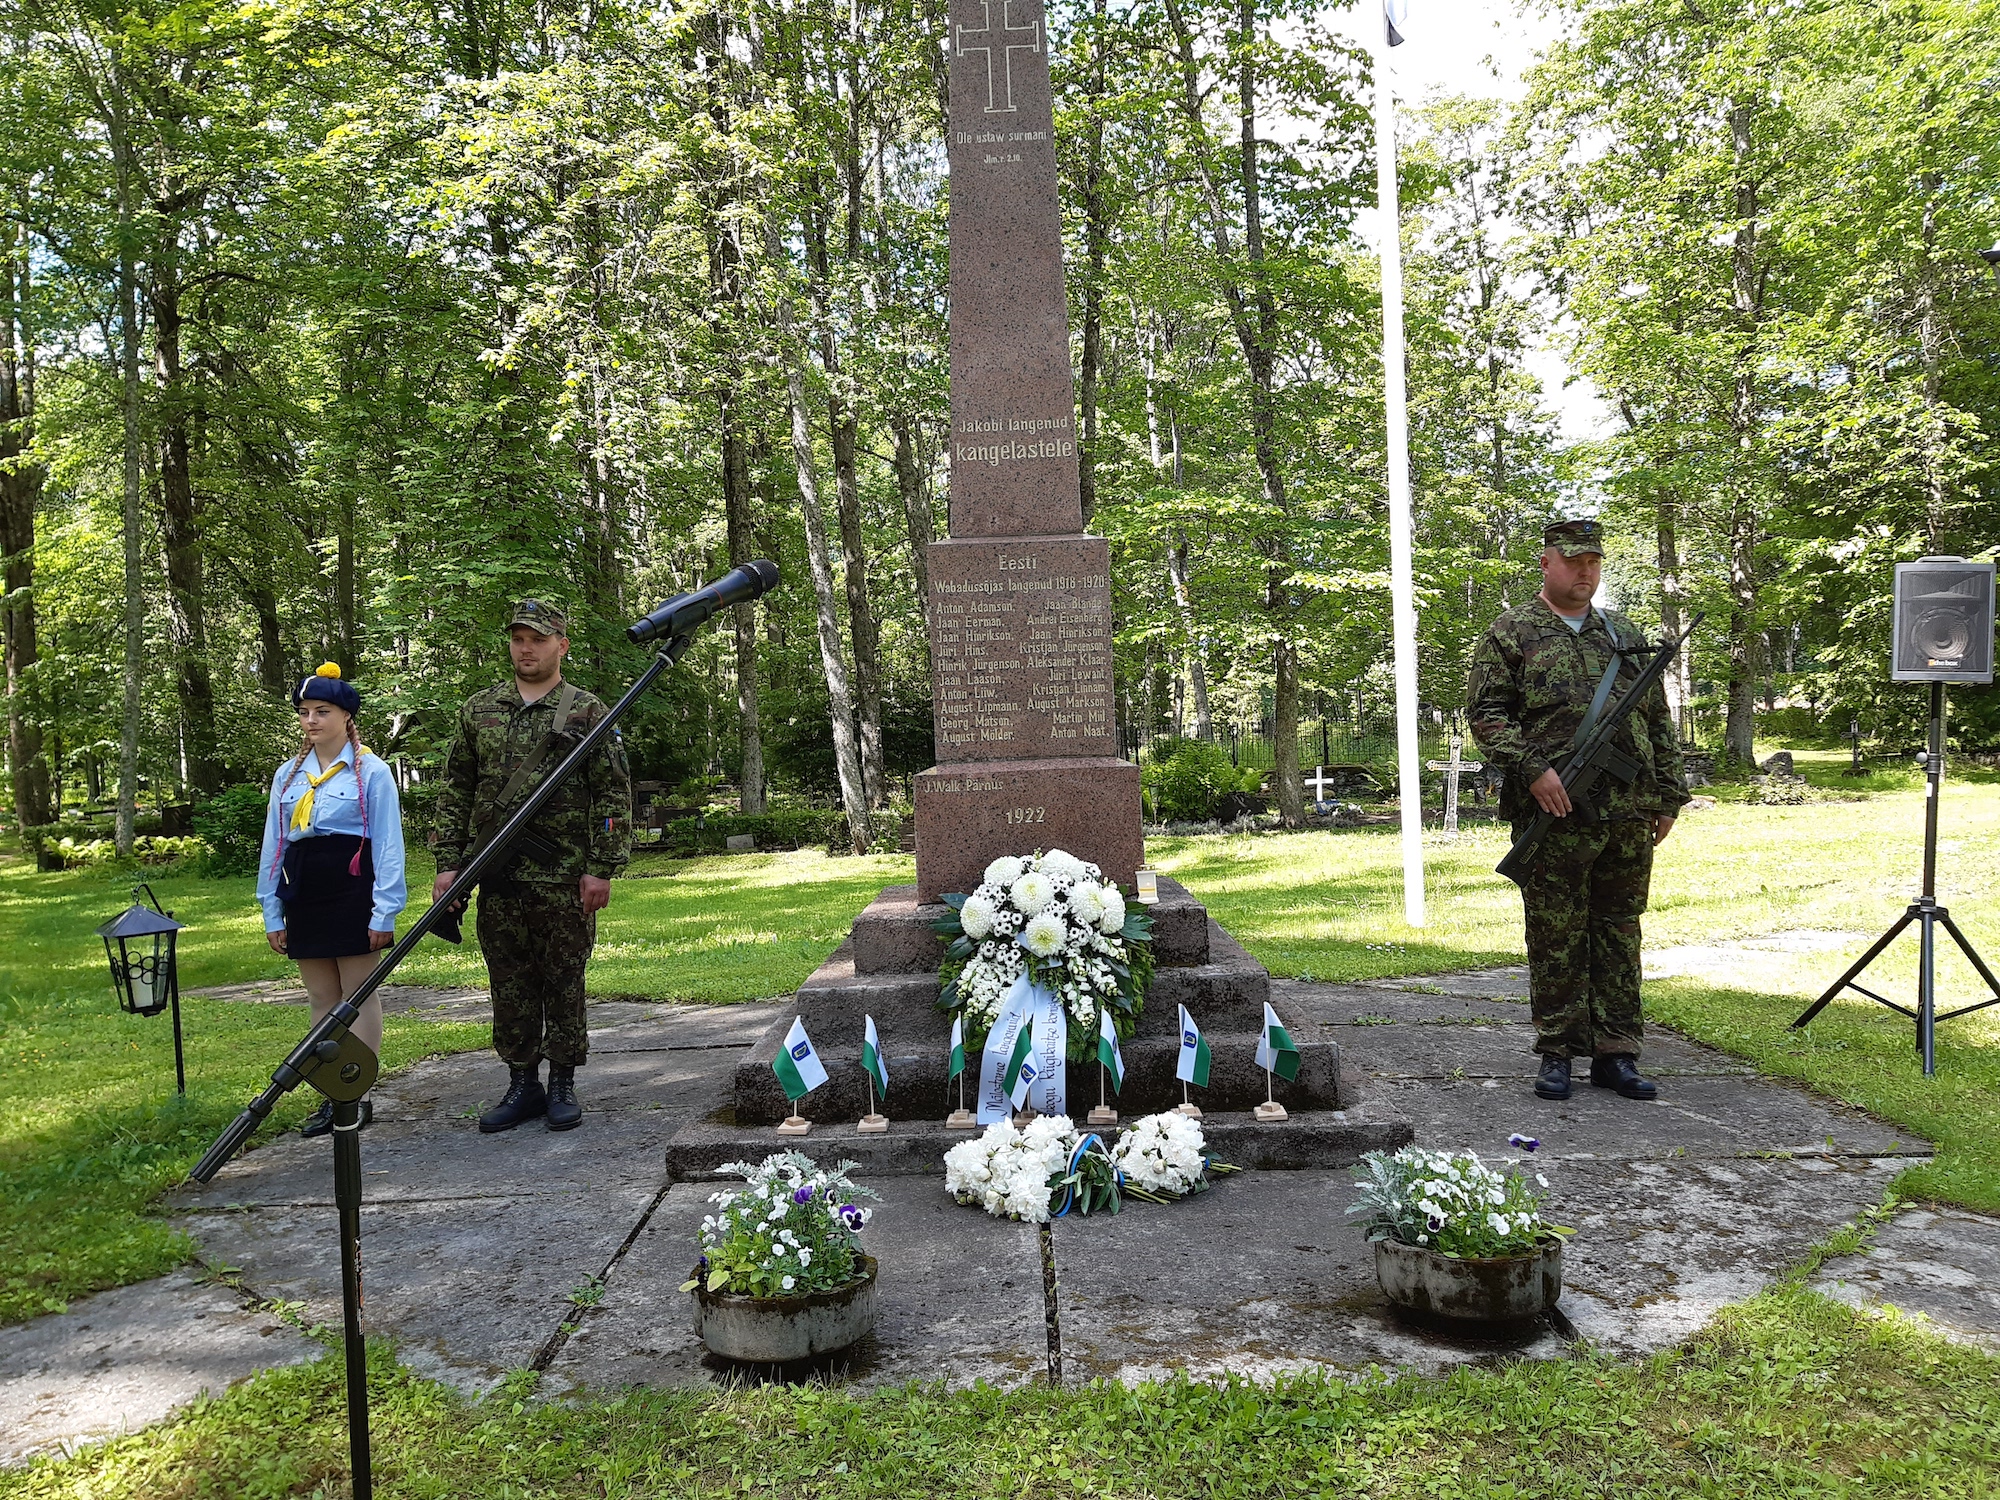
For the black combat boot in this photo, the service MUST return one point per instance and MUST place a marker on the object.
(1553, 1083)
(319, 1122)
(564, 1112)
(1621, 1072)
(525, 1100)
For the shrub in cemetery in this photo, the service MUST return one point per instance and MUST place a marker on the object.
(1186, 783)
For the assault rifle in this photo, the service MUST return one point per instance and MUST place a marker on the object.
(1592, 756)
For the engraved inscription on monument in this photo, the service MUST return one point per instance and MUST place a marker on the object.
(1021, 648)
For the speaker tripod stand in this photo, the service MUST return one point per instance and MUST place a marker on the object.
(1928, 917)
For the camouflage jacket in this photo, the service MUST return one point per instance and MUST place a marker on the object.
(589, 821)
(1531, 684)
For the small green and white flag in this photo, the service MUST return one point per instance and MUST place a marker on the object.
(797, 1065)
(957, 1064)
(1107, 1048)
(1192, 1064)
(871, 1057)
(1021, 1071)
(1276, 1052)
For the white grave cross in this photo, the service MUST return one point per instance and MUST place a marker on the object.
(1032, 42)
(1452, 768)
(1319, 781)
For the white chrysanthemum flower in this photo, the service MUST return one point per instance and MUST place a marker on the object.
(1044, 935)
(1004, 871)
(1061, 865)
(976, 916)
(1032, 892)
(1086, 903)
(1111, 919)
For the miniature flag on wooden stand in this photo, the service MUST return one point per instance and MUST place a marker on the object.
(1021, 1071)
(1191, 1067)
(1276, 1054)
(877, 1073)
(799, 1072)
(960, 1118)
(1109, 1063)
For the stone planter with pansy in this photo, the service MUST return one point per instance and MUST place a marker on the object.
(782, 1276)
(1458, 1239)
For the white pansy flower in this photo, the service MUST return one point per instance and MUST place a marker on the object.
(1032, 892)
(1004, 871)
(1043, 936)
(976, 916)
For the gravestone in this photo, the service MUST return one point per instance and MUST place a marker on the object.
(1019, 612)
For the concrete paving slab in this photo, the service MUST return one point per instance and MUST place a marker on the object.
(960, 1296)
(1261, 1275)
(1507, 1052)
(1343, 1005)
(1942, 1265)
(1694, 1116)
(467, 1289)
(1662, 1246)
(122, 1360)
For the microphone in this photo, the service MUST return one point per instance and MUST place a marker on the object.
(678, 616)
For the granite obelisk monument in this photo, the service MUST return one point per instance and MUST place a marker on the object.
(1019, 612)
(1020, 625)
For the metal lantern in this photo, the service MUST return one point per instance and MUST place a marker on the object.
(140, 945)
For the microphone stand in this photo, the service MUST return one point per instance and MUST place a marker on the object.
(341, 1067)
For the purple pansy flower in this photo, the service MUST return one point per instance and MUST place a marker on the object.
(851, 1216)
(1524, 1142)
(802, 1196)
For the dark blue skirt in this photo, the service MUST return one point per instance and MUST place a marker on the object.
(326, 909)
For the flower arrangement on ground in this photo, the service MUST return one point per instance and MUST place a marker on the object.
(1164, 1157)
(791, 1231)
(1043, 1170)
(1453, 1203)
(1057, 920)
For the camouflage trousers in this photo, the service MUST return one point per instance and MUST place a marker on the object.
(537, 939)
(1584, 893)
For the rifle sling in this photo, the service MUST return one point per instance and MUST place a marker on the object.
(1601, 697)
(518, 782)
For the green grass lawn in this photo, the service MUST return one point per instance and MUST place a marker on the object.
(1788, 1395)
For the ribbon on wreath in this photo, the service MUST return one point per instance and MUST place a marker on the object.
(1034, 1006)
(1083, 1149)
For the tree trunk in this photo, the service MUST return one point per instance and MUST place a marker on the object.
(1673, 596)
(180, 535)
(20, 491)
(916, 497)
(1931, 338)
(1740, 729)
(840, 700)
(1197, 674)
(132, 521)
(738, 502)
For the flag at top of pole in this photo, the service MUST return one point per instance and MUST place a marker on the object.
(1107, 1049)
(871, 1057)
(797, 1064)
(1395, 402)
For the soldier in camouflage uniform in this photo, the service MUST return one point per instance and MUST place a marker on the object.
(1584, 888)
(538, 914)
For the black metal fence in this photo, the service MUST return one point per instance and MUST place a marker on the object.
(1322, 741)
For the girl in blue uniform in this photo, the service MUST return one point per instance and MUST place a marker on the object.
(331, 876)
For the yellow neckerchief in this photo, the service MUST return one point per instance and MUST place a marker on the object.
(302, 814)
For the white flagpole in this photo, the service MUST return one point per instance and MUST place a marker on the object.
(1402, 587)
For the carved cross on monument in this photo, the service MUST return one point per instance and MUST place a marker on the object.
(1032, 43)
(1452, 769)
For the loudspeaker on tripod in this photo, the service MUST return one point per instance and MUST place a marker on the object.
(1943, 622)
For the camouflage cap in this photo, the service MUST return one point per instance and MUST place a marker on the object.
(537, 616)
(1574, 538)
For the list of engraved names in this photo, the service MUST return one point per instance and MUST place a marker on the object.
(1022, 659)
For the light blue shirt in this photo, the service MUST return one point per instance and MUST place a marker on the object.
(337, 809)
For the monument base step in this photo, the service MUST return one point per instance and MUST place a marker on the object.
(919, 1089)
(911, 1148)
(893, 935)
(1225, 992)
